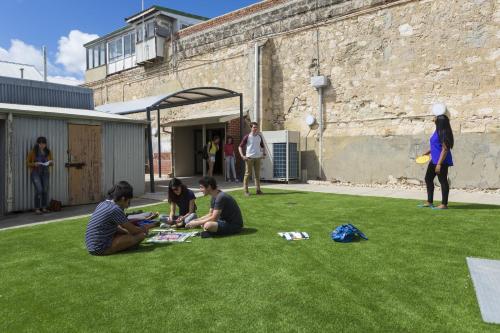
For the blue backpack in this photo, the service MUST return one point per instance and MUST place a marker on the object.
(346, 233)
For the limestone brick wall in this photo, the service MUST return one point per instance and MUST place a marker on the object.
(387, 62)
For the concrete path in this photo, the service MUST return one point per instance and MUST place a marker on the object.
(29, 218)
(18, 220)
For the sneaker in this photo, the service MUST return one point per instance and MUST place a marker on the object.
(259, 192)
(45, 210)
(38, 212)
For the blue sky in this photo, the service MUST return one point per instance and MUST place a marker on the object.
(62, 25)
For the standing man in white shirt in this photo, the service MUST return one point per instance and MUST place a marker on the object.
(254, 152)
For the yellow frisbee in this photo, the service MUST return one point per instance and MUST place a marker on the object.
(423, 159)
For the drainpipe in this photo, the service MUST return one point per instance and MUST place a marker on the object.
(320, 108)
(44, 63)
(256, 93)
(257, 84)
(319, 82)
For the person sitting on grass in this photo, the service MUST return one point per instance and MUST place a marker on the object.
(224, 217)
(109, 231)
(180, 196)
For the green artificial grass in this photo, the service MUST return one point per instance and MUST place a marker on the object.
(410, 276)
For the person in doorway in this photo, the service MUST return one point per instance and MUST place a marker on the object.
(441, 143)
(230, 160)
(213, 148)
(109, 230)
(39, 160)
(224, 216)
(254, 152)
(180, 196)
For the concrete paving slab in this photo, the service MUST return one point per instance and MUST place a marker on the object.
(486, 279)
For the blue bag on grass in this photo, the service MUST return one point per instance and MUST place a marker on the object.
(346, 233)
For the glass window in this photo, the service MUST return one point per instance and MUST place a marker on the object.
(111, 50)
(119, 47)
(102, 52)
(132, 41)
(150, 29)
(96, 56)
(139, 34)
(90, 58)
(127, 45)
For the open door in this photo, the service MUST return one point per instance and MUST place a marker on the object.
(84, 164)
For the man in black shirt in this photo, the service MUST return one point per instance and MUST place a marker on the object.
(224, 217)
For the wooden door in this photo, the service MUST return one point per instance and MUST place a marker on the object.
(84, 164)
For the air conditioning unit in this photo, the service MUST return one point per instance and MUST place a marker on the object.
(282, 162)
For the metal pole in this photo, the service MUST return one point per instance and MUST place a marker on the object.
(45, 63)
(242, 166)
(204, 142)
(159, 143)
(150, 153)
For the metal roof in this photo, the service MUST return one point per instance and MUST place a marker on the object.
(30, 92)
(164, 9)
(200, 117)
(179, 98)
(13, 69)
(53, 112)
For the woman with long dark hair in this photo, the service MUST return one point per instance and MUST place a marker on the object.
(180, 196)
(441, 143)
(39, 159)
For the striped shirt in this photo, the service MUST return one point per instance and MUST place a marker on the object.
(103, 225)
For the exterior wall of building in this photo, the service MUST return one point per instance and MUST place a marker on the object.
(387, 62)
(96, 74)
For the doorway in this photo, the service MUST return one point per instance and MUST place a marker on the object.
(2, 167)
(84, 164)
(198, 149)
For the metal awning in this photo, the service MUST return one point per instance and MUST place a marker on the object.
(204, 117)
(179, 98)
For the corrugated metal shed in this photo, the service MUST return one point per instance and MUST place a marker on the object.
(29, 92)
(123, 152)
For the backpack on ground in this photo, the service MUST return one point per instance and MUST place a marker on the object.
(346, 233)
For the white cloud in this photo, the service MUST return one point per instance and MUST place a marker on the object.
(69, 80)
(23, 53)
(71, 53)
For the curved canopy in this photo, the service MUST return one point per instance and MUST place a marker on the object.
(179, 98)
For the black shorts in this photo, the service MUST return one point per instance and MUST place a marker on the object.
(224, 228)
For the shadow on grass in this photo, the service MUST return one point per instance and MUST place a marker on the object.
(143, 247)
(473, 206)
(282, 193)
(243, 232)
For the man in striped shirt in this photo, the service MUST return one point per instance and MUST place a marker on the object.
(109, 231)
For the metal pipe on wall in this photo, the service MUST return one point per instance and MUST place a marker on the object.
(320, 162)
(159, 143)
(256, 93)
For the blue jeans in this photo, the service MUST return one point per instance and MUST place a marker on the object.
(40, 179)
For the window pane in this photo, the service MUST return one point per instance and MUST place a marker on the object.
(139, 34)
(119, 47)
(126, 46)
(150, 29)
(89, 58)
(96, 56)
(102, 50)
(132, 41)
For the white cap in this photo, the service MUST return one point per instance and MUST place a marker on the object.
(438, 109)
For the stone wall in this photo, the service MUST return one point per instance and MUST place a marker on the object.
(387, 62)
